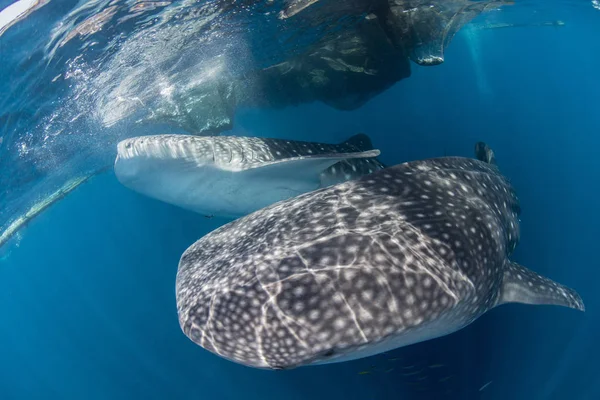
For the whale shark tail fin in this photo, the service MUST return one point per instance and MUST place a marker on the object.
(521, 285)
(484, 153)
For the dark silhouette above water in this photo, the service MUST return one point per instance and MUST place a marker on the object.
(344, 69)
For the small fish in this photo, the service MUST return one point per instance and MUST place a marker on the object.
(364, 372)
(436, 366)
(388, 370)
(484, 386)
(209, 216)
(408, 367)
(412, 373)
(395, 359)
(446, 378)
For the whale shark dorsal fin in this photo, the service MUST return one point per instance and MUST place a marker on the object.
(521, 285)
(361, 141)
(305, 166)
(484, 153)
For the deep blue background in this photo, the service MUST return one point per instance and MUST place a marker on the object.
(87, 301)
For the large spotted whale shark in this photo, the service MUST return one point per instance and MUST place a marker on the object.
(231, 176)
(400, 256)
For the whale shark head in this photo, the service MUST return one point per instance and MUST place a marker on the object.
(139, 158)
(406, 254)
(165, 167)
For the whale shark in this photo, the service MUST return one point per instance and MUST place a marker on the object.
(12, 230)
(231, 176)
(406, 254)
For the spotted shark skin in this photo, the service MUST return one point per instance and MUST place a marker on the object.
(403, 255)
(231, 176)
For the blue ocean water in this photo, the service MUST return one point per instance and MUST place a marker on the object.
(87, 297)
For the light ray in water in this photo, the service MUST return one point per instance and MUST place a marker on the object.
(473, 39)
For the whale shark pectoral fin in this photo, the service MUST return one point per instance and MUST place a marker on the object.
(361, 141)
(521, 285)
(306, 167)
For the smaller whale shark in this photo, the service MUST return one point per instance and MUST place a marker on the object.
(13, 228)
(403, 255)
(231, 176)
